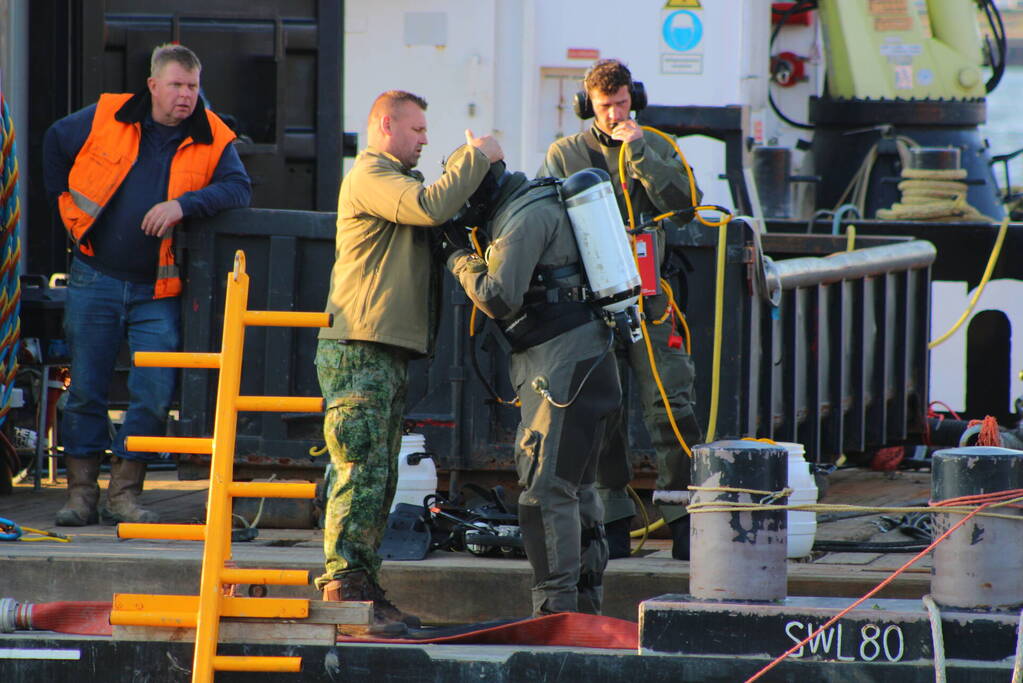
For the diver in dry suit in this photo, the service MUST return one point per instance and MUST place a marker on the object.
(532, 283)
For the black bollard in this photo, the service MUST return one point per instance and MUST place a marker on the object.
(980, 566)
(738, 555)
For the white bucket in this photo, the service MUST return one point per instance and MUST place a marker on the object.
(417, 481)
(802, 525)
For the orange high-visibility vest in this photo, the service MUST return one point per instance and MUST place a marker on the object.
(105, 160)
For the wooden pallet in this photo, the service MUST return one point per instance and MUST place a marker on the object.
(319, 628)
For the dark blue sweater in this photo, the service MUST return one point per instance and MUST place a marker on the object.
(122, 250)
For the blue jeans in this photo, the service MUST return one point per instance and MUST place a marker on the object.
(99, 312)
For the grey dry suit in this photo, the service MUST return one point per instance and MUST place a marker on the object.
(657, 183)
(532, 254)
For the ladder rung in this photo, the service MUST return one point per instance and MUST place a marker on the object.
(165, 532)
(169, 444)
(286, 319)
(296, 404)
(250, 608)
(276, 664)
(176, 359)
(158, 619)
(204, 614)
(271, 489)
(274, 577)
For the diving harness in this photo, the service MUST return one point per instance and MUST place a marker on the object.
(608, 279)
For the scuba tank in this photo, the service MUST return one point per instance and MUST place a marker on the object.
(603, 243)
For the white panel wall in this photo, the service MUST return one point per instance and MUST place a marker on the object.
(510, 59)
(456, 78)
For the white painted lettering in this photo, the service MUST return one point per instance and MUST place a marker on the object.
(899, 639)
(869, 647)
(824, 638)
(875, 640)
(838, 650)
(795, 638)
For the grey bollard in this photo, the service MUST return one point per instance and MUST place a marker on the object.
(738, 555)
(980, 566)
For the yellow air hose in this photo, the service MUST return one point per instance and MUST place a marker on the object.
(995, 252)
(722, 225)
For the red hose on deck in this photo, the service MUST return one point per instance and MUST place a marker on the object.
(79, 618)
(567, 629)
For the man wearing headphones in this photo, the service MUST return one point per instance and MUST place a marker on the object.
(657, 183)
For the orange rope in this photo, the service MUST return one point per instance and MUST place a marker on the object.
(988, 499)
(989, 434)
(998, 497)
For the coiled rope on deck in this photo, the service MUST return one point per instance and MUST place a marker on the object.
(927, 195)
(933, 195)
(10, 254)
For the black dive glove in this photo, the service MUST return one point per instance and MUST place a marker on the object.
(451, 238)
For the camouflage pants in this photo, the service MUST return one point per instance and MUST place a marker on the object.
(677, 372)
(364, 387)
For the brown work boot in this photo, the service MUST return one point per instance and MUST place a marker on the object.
(82, 490)
(387, 619)
(126, 478)
(384, 607)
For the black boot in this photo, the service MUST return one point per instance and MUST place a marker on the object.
(680, 538)
(619, 544)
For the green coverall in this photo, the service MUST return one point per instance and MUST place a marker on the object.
(556, 448)
(657, 183)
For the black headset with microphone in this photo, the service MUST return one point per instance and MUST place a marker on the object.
(583, 107)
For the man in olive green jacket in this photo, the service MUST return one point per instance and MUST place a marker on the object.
(384, 296)
(560, 348)
(657, 183)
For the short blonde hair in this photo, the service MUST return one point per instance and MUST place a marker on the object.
(172, 52)
(388, 102)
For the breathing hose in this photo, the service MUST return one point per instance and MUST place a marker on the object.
(722, 225)
(541, 386)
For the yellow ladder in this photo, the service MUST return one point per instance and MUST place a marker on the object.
(203, 613)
